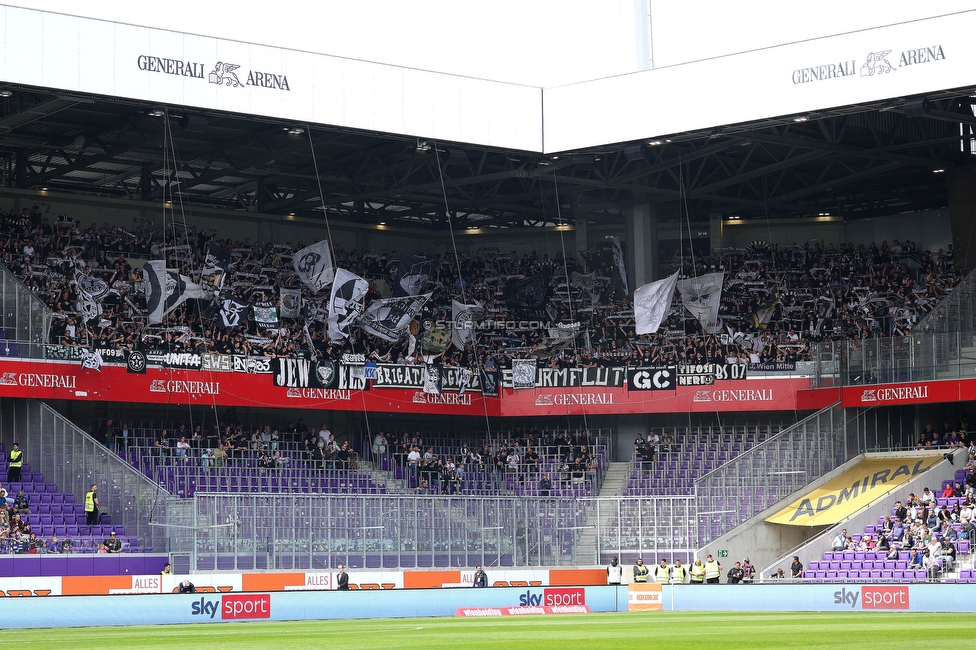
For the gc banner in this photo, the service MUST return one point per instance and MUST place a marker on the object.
(652, 378)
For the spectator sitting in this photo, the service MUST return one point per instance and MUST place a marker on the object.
(20, 504)
(101, 548)
(113, 544)
(840, 541)
(53, 545)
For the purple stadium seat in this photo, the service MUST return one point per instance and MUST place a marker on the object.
(813, 566)
(831, 575)
(887, 575)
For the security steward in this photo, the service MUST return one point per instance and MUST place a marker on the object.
(678, 573)
(640, 571)
(91, 506)
(697, 573)
(712, 571)
(662, 573)
(16, 461)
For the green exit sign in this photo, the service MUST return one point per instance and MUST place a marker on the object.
(723, 553)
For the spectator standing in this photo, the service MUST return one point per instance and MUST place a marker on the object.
(615, 572)
(480, 577)
(736, 574)
(748, 572)
(342, 579)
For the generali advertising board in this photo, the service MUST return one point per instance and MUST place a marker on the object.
(65, 380)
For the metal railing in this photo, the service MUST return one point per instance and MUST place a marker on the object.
(24, 317)
(770, 471)
(73, 460)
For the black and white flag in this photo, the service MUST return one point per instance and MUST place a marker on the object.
(527, 296)
(314, 265)
(463, 319)
(433, 378)
(464, 380)
(233, 313)
(412, 275)
(389, 318)
(289, 303)
(619, 260)
(652, 302)
(215, 267)
(94, 287)
(91, 359)
(266, 315)
(523, 373)
(702, 296)
(166, 290)
(345, 302)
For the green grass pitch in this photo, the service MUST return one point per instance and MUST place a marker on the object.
(849, 631)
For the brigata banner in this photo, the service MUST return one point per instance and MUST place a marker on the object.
(844, 495)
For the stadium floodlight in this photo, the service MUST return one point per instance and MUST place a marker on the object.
(6, 92)
(422, 146)
(635, 152)
(293, 130)
(917, 108)
(157, 112)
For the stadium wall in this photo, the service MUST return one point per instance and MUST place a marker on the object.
(89, 611)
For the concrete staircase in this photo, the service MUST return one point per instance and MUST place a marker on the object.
(614, 483)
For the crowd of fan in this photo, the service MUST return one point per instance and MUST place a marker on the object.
(776, 300)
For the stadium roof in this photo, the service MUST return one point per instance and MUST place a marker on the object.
(858, 161)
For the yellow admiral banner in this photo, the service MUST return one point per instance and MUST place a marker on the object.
(644, 597)
(841, 497)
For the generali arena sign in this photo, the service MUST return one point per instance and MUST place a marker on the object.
(113, 383)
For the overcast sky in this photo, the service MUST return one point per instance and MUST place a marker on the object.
(534, 42)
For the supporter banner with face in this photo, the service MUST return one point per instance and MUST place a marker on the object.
(314, 265)
(701, 297)
(290, 303)
(412, 275)
(166, 290)
(841, 497)
(388, 318)
(345, 302)
(523, 373)
(652, 302)
(91, 359)
(433, 378)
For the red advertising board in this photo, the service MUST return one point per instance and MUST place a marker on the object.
(919, 392)
(113, 383)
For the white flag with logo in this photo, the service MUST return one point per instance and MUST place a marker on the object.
(345, 302)
(701, 296)
(91, 359)
(314, 265)
(652, 302)
(463, 320)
